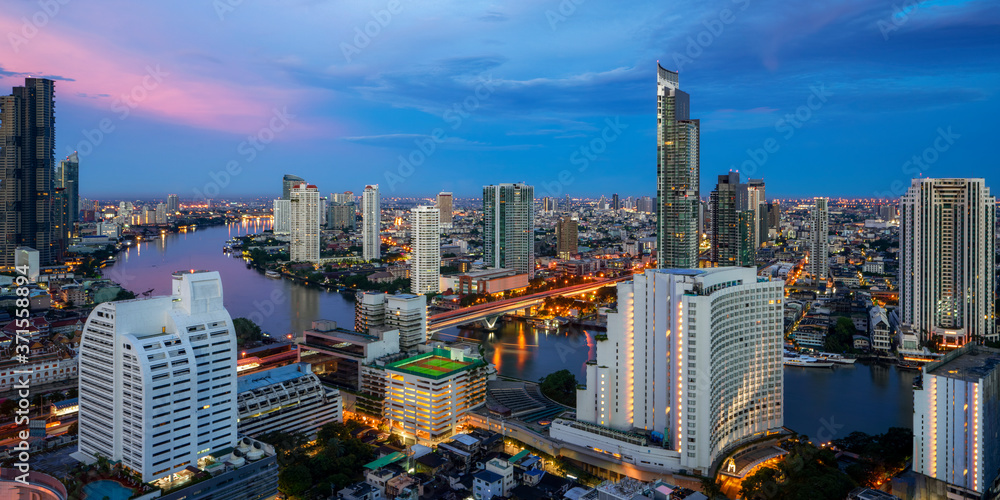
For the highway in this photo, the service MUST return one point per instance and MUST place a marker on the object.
(468, 314)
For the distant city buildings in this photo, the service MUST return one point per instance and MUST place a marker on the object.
(304, 243)
(444, 205)
(27, 164)
(173, 204)
(645, 204)
(509, 227)
(567, 238)
(287, 182)
(819, 241)
(67, 177)
(549, 204)
(371, 223)
(694, 356)
(732, 220)
(757, 203)
(282, 217)
(677, 175)
(955, 422)
(947, 245)
(342, 215)
(425, 249)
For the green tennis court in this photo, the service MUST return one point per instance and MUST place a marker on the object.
(433, 365)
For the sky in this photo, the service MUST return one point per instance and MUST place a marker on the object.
(220, 98)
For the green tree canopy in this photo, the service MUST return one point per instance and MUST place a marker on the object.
(246, 331)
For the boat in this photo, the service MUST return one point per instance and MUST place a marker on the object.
(273, 274)
(835, 358)
(806, 361)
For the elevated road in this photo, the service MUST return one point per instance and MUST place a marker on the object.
(482, 311)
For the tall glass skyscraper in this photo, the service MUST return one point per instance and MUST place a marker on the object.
(509, 232)
(677, 170)
(733, 226)
(27, 163)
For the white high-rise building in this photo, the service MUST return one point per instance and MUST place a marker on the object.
(158, 378)
(955, 422)
(757, 202)
(694, 355)
(947, 245)
(371, 223)
(173, 204)
(282, 216)
(408, 314)
(425, 248)
(509, 235)
(304, 244)
(819, 241)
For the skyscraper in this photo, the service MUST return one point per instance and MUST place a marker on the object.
(286, 185)
(173, 204)
(677, 171)
(615, 202)
(509, 232)
(371, 223)
(757, 202)
(946, 247)
(342, 216)
(158, 378)
(732, 223)
(444, 205)
(955, 419)
(27, 162)
(548, 204)
(68, 178)
(567, 238)
(819, 241)
(304, 243)
(425, 248)
(282, 216)
(774, 216)
(692, 354)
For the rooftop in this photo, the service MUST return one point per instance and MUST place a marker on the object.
(273, 376)
(439, 363)
(970, 363)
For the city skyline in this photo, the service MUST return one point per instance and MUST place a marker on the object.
(840, 67)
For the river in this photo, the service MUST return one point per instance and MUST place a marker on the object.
(866, 398)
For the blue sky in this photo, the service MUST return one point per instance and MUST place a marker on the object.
(222, 97)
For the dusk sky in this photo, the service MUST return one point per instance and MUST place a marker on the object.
(509, 91)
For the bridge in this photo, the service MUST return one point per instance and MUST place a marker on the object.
(490, 312)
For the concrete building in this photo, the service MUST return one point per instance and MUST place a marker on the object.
(342, 215)
(371, 223)
(173, 204)
(27, 163)
(158, 378)
(509, 233)
(692, 355)
(428, 395)
(444, 205)
(404, 312)
(956, 422)
(288, 398)
(30, 485)
(486, 281)
(425, 249)
(282, 217)
(27, 257)
(819, 241)
(879, 330)
(946, 247)
(304, 243)
(336, 355)
(677, 174)
(567, 237)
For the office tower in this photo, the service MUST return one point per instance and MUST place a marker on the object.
(173, 204)
(404, 312)
(955, 422)
(946, 248)
(287, 182)
(342, 216)
(694, 355)
(509, 232)
(371, 223)
(304, 243)
(68, 178)
(158, 378)
(567, 201)
(548, 204)
(757, 203)
(27, 162)
(887, 212)
(567, 239)
(819, 241)
(644, 204)
(774, 216)
(444, 205)
(61, 225)
(732, 223)
(677, 174)
(282, 216)
(602, 203)
(425, 248)
(615, 203)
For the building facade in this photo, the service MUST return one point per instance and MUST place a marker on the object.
(425, 248)
(567, 237)
(282, 216)
(732, 221)
(509, 232)
(287, 182)
(677, 174)
(946, 247)
(693, 355)
(288, 398)
(444, 205)
(819, 240)
(371, 223)
(304, 243)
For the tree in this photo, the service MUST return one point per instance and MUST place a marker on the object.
(124, 294)
(294, 480)
(246, 331)
(711, 488)
(560, 387)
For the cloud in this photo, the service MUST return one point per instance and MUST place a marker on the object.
(409, 141)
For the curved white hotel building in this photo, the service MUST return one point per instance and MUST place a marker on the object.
(690, 368)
